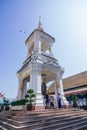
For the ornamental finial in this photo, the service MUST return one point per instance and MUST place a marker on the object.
(40, 24)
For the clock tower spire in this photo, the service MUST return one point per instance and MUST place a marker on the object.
(40, 24)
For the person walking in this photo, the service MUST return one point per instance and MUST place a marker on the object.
(51, 102)
(79, 103)
(55, 101)
(59, 101)
(47, 101)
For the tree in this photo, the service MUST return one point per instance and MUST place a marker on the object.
(6, 103)
(30, 96)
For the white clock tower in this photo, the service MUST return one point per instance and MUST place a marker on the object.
(40, 66)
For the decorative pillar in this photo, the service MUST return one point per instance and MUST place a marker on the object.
(50, 51)
(35, 84)
(60, 90)
(37, 43)
(28, 51)
(39, 46)
(19, 89)
(24, 89)
(55, 89)
(61, 86)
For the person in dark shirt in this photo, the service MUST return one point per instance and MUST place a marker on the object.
(59, 101)
(43, 88)
(47, 101)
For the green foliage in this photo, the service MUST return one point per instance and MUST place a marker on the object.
(30, 96)
(6, 104)
(74, 99)
(19, 102)
(5, 101)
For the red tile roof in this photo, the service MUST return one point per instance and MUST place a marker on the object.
(1, 95)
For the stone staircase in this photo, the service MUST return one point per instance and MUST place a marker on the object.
(49, 119)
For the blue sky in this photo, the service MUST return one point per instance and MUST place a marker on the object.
(65, 20)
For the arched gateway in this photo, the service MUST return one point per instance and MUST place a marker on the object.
(40, 67)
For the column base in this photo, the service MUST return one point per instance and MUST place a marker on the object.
(64, 102)
(67, 106)
(39, 100)
(39, 108)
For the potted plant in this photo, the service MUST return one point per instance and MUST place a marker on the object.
(30, 96)
(74, 99)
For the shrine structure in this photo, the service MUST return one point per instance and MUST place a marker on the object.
(40, 68)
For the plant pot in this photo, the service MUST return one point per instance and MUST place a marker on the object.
(74, 105)
(30, 107)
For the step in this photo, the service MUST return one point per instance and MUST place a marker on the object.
(3, 128)
(84, 127)
(15, 122)
(30, 126)
(51, 119)
(59, 126)
(27, 117)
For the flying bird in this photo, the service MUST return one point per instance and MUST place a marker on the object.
(22, 31)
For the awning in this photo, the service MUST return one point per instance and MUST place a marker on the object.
(80, 91)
